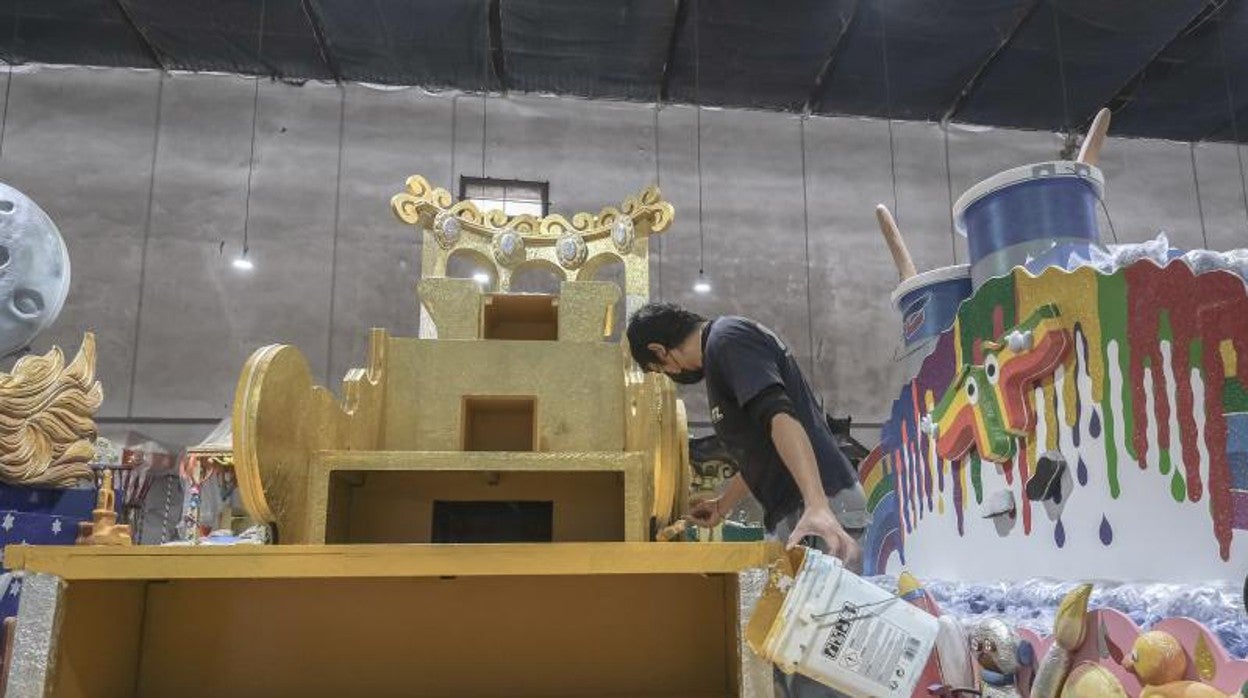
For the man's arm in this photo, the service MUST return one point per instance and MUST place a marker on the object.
(709, 512)
(793, 445)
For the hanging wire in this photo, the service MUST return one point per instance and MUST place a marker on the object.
(255, 111)
(147, 236)
(888, 108)
(454, 140)
(697, 101)
(4, 119)
(658, 183)
(810, 314)
(1061, 71)
(1230, 106)
(485, 88)
(1200, 207)
(333, 256)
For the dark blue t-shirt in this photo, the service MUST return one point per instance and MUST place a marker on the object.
(741, 359)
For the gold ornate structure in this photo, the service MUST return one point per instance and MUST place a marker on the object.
(47, 418)
(515, 398)
(521, 404)
(574, 250)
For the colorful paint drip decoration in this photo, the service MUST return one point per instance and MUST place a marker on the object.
(988, 404)
(1136, 382)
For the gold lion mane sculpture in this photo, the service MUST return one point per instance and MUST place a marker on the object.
(47, 423)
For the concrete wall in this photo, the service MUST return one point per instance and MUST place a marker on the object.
(148, 177)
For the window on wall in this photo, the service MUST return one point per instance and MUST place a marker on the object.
(513, 196)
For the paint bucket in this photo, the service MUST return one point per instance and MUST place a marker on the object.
(928, 304)
(1019, 215)
(845, 632)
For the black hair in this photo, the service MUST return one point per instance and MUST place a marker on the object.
(665, 324)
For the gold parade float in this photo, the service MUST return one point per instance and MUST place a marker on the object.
(474, 515)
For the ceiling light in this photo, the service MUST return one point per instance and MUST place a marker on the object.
(243, 263)
(702, 286)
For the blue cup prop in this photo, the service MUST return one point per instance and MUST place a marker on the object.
(1022, 214)
(928, 304)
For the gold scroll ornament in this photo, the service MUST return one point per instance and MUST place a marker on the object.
(47, 418)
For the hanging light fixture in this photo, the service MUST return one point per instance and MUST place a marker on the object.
(702, 285)
(243, 261)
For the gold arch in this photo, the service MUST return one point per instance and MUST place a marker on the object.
(421, 203)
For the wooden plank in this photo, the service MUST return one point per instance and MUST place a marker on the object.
(311, 561)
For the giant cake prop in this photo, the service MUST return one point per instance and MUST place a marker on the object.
(1071, 412)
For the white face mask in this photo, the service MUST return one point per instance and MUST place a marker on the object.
(34, 270)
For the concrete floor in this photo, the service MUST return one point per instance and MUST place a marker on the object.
(148, 174)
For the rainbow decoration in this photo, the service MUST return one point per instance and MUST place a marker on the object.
(987, 406)
(1132, 376)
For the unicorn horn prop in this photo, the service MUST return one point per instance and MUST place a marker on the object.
(1090, 153)
(896, 245)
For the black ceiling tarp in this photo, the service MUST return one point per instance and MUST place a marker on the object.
(435, 43)
(1103, 43)
(752, 55)
(90, 32)
(1183, 94)
(594, 48)
(266, 37)
(934, 48)
(1164, 66)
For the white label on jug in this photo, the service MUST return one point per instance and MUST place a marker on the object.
(871, 647)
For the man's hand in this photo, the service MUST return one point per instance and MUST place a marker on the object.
(705, 512)
(819, 521)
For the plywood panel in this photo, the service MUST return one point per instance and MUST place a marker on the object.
(99, 640)
(518, 636)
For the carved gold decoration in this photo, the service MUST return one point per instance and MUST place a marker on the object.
(509, 248)
(47, 412)
(103, 528)
(571, 251)
(613, 234)
(623, 234)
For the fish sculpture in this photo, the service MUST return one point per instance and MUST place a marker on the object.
(1001, 654)
(1160, 662)
(1068, 637)
(1091, 680)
